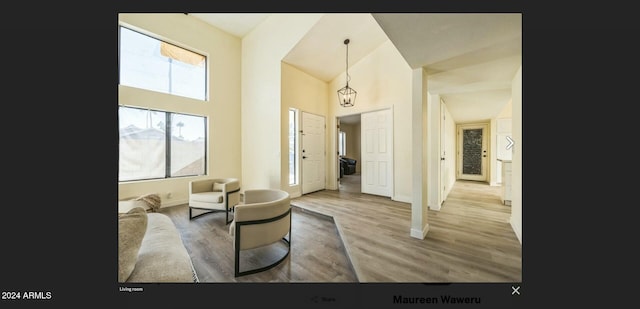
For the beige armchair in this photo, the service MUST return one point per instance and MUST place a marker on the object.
(263, 219)
(214, 195)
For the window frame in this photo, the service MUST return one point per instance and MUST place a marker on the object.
(296, 146)
(342, 143)
(168, 144)
(161, 39)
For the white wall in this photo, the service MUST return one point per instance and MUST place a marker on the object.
(262, 122)
(222, 107)
(494, 166)
(308, 94)
(501, 126)
(383, 80)
(516, 185)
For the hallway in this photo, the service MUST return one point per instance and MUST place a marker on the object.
(469, 239)
(350, 183)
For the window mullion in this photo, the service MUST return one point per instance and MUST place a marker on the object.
(167, 136)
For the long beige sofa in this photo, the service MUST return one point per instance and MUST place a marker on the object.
(150, 248)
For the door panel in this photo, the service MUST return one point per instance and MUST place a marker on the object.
(472, 152)
(377, 154)
(313, 153)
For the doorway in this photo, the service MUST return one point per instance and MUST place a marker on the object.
(368, 144)
(472, 152)
(348, 155)
(444, 170)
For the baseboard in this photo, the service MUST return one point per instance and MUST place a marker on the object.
(173, 202)
(420, 234)
(436, 208)
(516, 230)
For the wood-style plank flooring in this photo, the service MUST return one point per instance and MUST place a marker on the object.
(366, 238)
(469, 239)
(350, 183)
(317, 252)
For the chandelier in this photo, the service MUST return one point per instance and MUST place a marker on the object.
(346, 94)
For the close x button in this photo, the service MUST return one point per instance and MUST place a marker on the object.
(515, 290)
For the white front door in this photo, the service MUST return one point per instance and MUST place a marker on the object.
(377, 152)
(472, 152)
(313, 153)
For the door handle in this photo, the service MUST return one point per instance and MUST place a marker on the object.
(304, 157)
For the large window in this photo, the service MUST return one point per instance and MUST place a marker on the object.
(148, 63)
(156, 144)
(293, 146)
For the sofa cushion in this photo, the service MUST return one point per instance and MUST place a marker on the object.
(132, 227)
(207, 197)
(163, 256)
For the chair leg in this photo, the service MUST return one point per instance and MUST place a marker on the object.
(206, 211)
(287, 242)
(238, 273)
(236, 248)
(228, 211)
(226, 202)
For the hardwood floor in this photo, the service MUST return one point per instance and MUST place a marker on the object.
(469, 240)
(365, 238)
(317, 253)
(350, 183)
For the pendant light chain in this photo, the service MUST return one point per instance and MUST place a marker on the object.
(347, 62)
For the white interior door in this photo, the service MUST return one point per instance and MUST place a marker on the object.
(313, 153)
(377, 152)
(472, 152)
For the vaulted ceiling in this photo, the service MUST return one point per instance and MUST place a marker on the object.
(470, 58)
